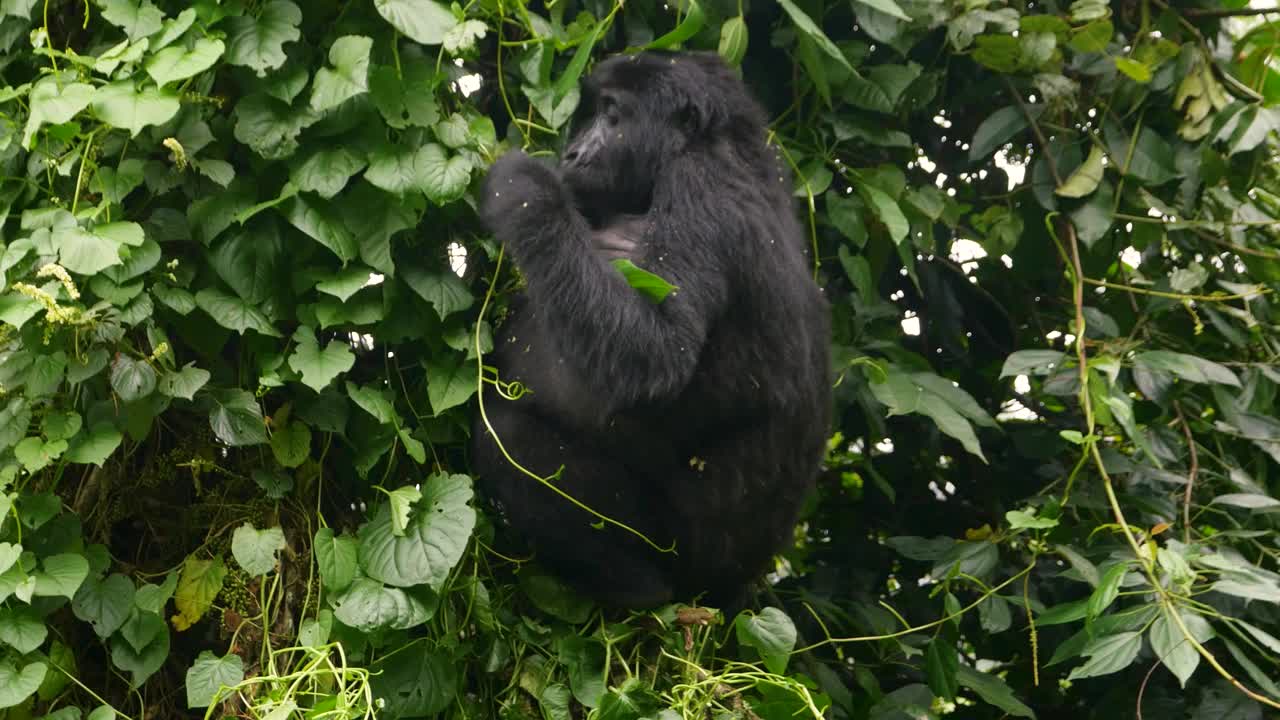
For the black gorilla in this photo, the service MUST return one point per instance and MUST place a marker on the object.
(701, 419)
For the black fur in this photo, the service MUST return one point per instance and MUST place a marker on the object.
(700, 420)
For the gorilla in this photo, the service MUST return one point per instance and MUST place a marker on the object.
(698, 421)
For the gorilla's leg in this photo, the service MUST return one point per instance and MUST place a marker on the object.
(610, 564)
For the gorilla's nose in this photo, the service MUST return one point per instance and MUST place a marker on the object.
(572, 154)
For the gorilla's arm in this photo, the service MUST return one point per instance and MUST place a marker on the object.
(625, 348)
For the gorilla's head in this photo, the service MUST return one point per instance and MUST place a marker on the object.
(639, 112)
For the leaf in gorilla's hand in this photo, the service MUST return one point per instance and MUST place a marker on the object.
(649, 285)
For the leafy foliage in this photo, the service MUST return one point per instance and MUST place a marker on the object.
(244, 306)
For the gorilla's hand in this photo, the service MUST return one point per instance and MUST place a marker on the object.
(521, 194)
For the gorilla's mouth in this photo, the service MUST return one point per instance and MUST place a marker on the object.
(599, 200)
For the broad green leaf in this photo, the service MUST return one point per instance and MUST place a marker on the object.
(326, 171)
(348, 77)
(1137, 70)
(138, 18)
(271, 127)
(942, 662)
(443, 178)
(184, 383)
(346, 282)
(95, 446)
(132, 379)
(105, 604)
(401, 502)
(257, 42)
(22, 629)
(236, 418)
(319, 367)
(993, 691)
(61, 575)
(998, 129)
(1109, 654)
(35, 454)
(369, 606)
(152, 598)
(693, 21)
(652, 287)
(443, 289)
(733, 40)
(291, 444)
(433, 543)
(86, 252)
(234, 313)
(198, 584)
(585, 660)
(336, 558)
(888, 7)
(122, 105)
(405, 96)
(451, 381)
(1085, 179)
(1027, 519)
(1253, 501)
(1093, 37)
(140, 663)
(1174, 650)
(462, 37)
(18, 685)
(1188, 367)
(255, 550)
(323, 225)
(771, 633)
(375, 402)
(53, 102)
(424, 21)
(210, 674)
(806, 25)
(885, 208)
(180, 63)
(1107, 591)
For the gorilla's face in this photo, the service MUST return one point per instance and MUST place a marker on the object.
(618, 148)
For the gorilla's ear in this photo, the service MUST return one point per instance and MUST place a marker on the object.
(699, 113)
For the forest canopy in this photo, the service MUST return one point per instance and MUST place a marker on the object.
(245, 302)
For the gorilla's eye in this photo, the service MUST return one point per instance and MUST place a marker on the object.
(608, 107)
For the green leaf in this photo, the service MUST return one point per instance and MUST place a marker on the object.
(137, 19)
(22, 629)
(368, 606)
(94, 447)
(443, 178)
(184, 383)
(1108, 654)
(434, 540)
(236, 418)
(424, 21)
(141, 664)
(885, 208)
(1173, 649)
(255, 550)
(319, 367)
(346, 282)
(209, 674)
(35, 454)
(888, 7)
(993, 691)
(61, 575)
(53, 102)
(693, 21)
(942, 662)
(806, 25)
(271, 127)
(1253, 501)
(198, 584)
(323, 225)
(998, 129)
(443, 289)
(18, 685)
(1085, 179)
(326, 171)
(105, 604)
(152, 598)
(349, 77)
(1138, 71)
(401, 502)
(1093, 37)
(651, 286)
(122, 105)
(179, 63)
(1027, 519)
(585, 660)
(336, 558)
(450, 382)
(115, 183)
(1188, 367)
(733, 40)
(234, 313)
(462, 37)
(1107, 591)
(85, 252)
(258, 42)
(132, 379)
(291, 444)
(375, 402)
(771, 633)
